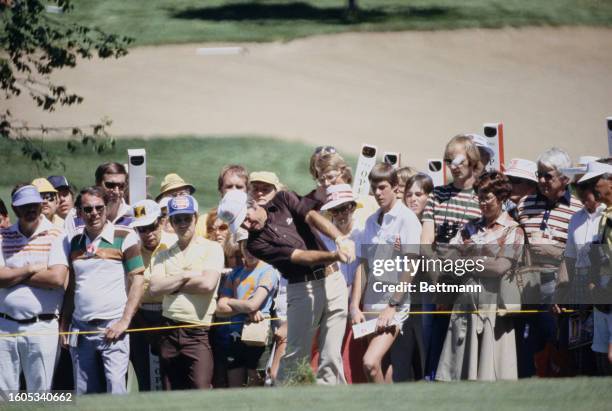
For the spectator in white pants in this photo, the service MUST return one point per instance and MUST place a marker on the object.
(33, 270)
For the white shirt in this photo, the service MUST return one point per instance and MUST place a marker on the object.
(100, 276)
(400, 231)
(582, 231)
(45, 246)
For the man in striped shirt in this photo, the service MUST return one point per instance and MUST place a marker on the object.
(105, 289)
(545, 217)
(448, 208)
(33, 270)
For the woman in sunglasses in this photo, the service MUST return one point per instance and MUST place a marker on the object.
(341, 205)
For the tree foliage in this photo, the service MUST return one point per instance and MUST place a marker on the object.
(34, 43)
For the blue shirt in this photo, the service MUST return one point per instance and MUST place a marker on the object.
(242, 283)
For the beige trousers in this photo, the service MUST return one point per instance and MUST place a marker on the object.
(312, 305)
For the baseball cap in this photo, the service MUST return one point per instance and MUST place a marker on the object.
(338, 194)
(233, 208)
(182, 205)
(265, 177)
(146, 212)
(481, 142)
(58, 181)
(172, 181)
(43, 185)
(521, 168)
(26, 195)
(595, 169)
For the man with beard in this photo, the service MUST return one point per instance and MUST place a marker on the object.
(50, 201)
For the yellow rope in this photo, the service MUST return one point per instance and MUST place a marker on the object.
(214, 324)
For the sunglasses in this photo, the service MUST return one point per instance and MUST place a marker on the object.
(109, 185)
(181, 218)
(90, 209)
(546, 175)
(325, 149)
(147, 228)
(48, 196)
(342, 209)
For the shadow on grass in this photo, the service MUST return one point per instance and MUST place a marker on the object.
(303, 11)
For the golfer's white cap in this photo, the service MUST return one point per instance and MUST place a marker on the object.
(233, 208)
(595, 169)
(481, 142)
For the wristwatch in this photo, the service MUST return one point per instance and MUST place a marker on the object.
(394, 303)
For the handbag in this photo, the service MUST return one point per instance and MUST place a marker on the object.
(256, 334)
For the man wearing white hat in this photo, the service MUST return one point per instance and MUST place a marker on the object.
(522, 176)
(147, 224)
(280, 234)
(599, 175)
(33, 270)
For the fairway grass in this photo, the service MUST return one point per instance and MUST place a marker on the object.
(592, 394)
(155, 22)
(197, 160)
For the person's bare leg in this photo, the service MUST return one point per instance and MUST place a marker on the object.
(372, 360)
(279, 351)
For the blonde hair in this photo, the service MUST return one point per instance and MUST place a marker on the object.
(404, 173)
(334, 161)
(471, 150)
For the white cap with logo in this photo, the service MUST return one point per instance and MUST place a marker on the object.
(146, 212)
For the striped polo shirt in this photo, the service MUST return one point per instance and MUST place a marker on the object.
(537, 215)
(452, 205)
(44, 246)
(100, 269)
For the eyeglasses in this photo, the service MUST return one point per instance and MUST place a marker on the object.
(181, 218)
(110, 185)
(325, 149)
(346, 208)
(486, 199)
(49, 196)
(147, 228)
(546, 175)
(220, 227)
(180, 193)
(329, 176)
(90, 209)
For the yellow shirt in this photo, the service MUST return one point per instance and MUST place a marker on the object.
(200, 255)
(366, 206)
(167, 239)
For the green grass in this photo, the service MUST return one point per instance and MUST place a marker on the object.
(591, 394)
(197, 160)
(152, 22)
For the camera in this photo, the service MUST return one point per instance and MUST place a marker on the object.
(446, 232)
